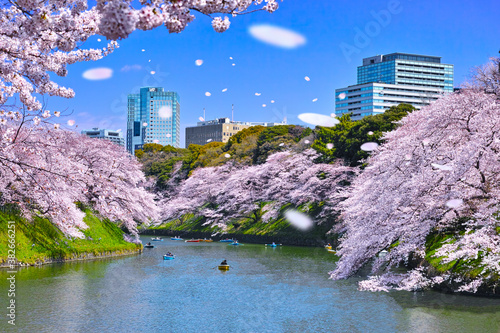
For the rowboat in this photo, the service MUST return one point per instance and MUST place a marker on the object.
(223, 267)
(176, 238)
(157, 239)
(149, 246)
(206, 240)
(274, 245)
(332, 251)
(235, 243)
(227, 240)
(192, 241)
(168, 257)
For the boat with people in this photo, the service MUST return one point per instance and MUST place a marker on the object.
(176, 238)
(192, 241)
(227, 240)
(206, 240)
(274, 245)
(328, 247)
(235, 243)
(224, 266)
(168, 256)
(332, 251)
(156, 239)
(149, 246)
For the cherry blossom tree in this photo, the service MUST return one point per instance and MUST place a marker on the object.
(438, 171)
(38, 38)
(47, 171)
(228, 192)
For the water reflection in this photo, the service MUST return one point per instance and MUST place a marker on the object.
(283, 289)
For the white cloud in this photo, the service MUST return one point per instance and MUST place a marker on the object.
(277, 36)
(101, 73)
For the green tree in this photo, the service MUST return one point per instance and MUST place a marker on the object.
(348, 136)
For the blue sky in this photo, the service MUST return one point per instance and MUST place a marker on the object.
(463, 33)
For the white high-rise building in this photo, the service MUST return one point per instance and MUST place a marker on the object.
(388, 80)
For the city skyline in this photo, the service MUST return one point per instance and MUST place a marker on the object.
(335, 38)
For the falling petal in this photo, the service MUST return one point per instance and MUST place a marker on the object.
(199, 62)
(314, 100)
(156, 141)
(168, 135)
(143, 50)
(454, 203)
(201, 119)
(257, 94)
(318, 119)
(209, 140)
(370, 133)
(281, 144)
(208, 94)
(306, 141)
(101, 73)
(272, 101)
(145, 124)
(98, 39)
(264, 105)
(224, 90)
(227, 156)
(307, 78)
(71, 122)
(153, 72)
(342, 96)
(165, 112)
(149, 60)
(329, 145)
(277, 36)
(299, 220)
(369, 146)
(442, 167)
(231, 58)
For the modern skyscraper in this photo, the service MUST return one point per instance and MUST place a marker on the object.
(153, 117)
(99, 133)
(392, 79)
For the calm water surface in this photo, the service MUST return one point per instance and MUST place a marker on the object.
(266, 290)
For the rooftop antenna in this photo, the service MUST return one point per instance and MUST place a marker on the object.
(232, 112)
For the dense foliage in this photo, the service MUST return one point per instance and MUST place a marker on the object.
(348, 136)
(249, 146)
(439, 172)
(230, 192)
(47, 171)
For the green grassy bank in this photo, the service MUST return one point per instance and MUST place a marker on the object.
(37, 240)
(250, 229)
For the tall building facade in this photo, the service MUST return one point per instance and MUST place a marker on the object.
(100, 133)
(153, 116)
(387, 80)
(219, 130)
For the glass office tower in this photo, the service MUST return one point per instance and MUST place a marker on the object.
(387, 80)
(153, 117)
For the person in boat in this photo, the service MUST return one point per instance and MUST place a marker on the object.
(149, 243)
(274, 244)
(224, 262)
